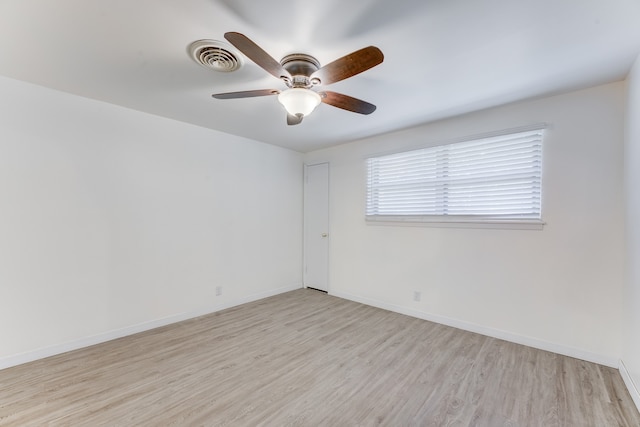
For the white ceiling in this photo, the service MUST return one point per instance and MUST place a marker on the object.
(442, 57)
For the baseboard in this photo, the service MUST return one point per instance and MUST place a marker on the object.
(483, 330)
(631, 386)
(30, 356)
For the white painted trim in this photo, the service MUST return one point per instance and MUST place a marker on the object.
(526, 128)
(483, 330)
(41, 353)
(631, 386)
(304, 222)
(440, 222)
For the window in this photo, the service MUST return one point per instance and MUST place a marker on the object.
(495, 179)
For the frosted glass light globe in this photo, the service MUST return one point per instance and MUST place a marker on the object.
(299, 101)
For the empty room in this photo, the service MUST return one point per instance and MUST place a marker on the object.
(242, 212)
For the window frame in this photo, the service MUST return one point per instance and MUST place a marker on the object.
(461, 221)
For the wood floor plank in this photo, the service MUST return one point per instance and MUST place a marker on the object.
(308, 359)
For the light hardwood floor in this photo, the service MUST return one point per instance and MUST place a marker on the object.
(308, 359)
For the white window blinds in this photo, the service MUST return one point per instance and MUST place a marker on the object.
(496, 178)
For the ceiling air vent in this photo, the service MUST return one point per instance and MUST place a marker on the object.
(216, 55)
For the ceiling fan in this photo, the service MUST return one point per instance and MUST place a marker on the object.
(301, 72)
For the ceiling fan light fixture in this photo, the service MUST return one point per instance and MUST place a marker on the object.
(299, 101)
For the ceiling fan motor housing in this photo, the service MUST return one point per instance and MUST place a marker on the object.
(301, 66)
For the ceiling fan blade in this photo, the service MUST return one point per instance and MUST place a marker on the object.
(294, 119)
(347, 102)
(246, 94)
(257, 55)
(349, 65)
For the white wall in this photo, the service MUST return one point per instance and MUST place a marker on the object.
(111, 218)
(559, 289)
(631, 352)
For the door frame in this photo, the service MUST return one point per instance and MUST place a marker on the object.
(304, 223)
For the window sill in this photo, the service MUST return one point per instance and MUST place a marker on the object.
(446, 222)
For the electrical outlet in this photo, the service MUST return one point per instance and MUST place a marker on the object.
(417, 295)
(218, 291)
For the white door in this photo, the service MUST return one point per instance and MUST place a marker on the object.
(316, 226)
